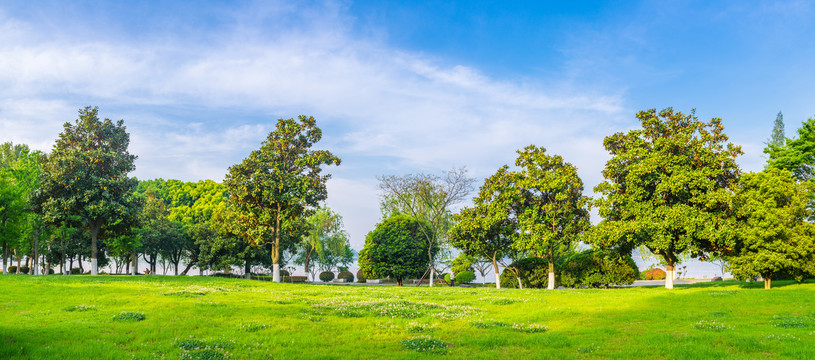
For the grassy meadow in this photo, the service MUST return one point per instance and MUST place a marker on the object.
(149, 317)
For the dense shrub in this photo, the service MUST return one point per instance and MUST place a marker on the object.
(326, 276)
(534, 274)
(50, 271)
(655, 274)
(24, 269)
(463, 277)
(347, 275)
(295, 279)
(76, 271)
(597, 268)
(12, 269)
(361, 277)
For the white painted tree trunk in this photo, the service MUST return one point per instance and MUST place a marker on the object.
(276, 273)
(551, 285)
(93, 266)
(669, 277)
(520, 284)
(432, 271)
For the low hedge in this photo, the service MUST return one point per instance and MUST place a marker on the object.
(347, 275)
(295, 279)
(326, 276)
(464, 277)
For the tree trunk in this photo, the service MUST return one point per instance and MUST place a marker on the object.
(188, 267)
(5, 259)
(35, 266)
(669, 275)
(135, 260)
(398, 282)
(64, 257)
(276, 248)
(18, 262)
(94, 234)
(432, 271)
(247, 270)
(767, 282)
(520, 284)
(497, 276)
(551, 284)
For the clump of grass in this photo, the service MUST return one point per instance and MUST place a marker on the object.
(203, 354)
(719, 314)
(783, 337)
(588, 349)
(488, 324)
(425, 344)
(530, 327)
(194, 349)
(724, 293)
(185, 293)
(80, 308)
(505, 301)
(710, 325)
(129, 316)
(253, 326)
(791, 322)
(417, 327)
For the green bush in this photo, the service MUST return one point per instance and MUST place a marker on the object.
(597, 268)
(347, 275)
(76, 271)
(326, 276)
(50, 271)
(284, 273)
(24, 269)
(12, 269)
(361, 277)
(294, 279)
(655, 274)
(463, 277)
(534, 274)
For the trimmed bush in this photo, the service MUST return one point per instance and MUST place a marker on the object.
(24, 269)
(12, 269)
(655, 274)
(326, 276)
(464, 277)
(361, 277)
(598, 269)
(347, 275)
(534, 274)
(76, 271)
(50, 271)
(294, 279)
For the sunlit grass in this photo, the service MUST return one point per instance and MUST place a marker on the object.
(78, 317)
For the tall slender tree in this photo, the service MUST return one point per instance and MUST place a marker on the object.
(778, 137)
(668, 186)
(86, 176)
(277, 184)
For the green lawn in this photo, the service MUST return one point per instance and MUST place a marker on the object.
(80, 317)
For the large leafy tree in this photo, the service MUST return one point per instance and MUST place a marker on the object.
(796, 155)
(278, 183)
(428, 199)
(396, 248)
(773, 234)
(13, 199)
(552, 211)
(86, 176)
(489, 228)
(668, 186)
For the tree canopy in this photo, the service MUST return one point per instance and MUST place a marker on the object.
(668, 186)
(396, 248)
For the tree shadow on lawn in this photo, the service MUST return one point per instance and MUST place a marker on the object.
(745, 284)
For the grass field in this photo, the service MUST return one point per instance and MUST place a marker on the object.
(147, 317)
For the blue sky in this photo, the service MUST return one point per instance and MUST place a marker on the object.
(399, 87)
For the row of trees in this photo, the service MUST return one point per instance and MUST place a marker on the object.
(671, 187)
(81, 200)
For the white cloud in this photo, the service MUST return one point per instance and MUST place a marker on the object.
(408, 111)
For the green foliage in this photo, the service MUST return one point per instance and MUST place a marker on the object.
(593, 268)
(295, 279)
(462, 262)
(534, 272)
(347, 275)
(395, 248)
(326, 243)
(326, 276)
(668, 187)
(361, 276)
(24, 269)
(464, 277)
(654, 274)
(272, 190)
(796, 155)
(778, 137)
(773, 233)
